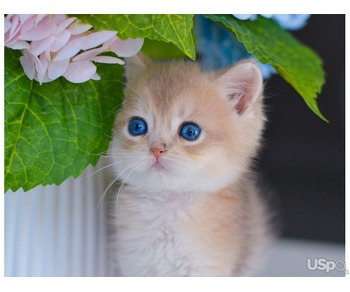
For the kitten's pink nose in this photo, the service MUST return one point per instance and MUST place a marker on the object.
(157, 151)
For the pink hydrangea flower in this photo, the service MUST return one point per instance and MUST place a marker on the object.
(58, 45)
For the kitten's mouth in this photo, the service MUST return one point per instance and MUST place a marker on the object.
(158, 166)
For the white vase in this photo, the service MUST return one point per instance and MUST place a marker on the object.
(58, 230)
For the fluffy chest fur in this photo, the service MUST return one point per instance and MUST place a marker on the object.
(177, 235)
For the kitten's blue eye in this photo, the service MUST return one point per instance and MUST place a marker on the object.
(190, 131)
(137, 127)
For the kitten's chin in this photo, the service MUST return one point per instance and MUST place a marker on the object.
(177, 176)
(159, 167)
(160, 179)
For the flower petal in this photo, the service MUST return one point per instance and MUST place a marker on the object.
(28, 24)
(291, 21)
(58, 18)
(88, 55)
(25, 17)
(15, 24)
(79, 28)
(37, 63)
(107, 60)
(37, 47)
(64, 24)
(41, 75)
(60, 40)
(95, 77)
(41, 31)
(69, 50)
(267, 15)
(57, 69)
(96, 38)
(42, 79)
(8, 24)
(14, 31)
(127, 48)
(39, 17)
(245, 16)
(28, 65)
(80, 71)
(18, 45)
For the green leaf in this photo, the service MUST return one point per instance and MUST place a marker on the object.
(161, 50)
(54, 130)
(269, 43)
(174, 28)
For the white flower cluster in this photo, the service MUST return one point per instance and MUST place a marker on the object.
(58, 45)
(287, 21)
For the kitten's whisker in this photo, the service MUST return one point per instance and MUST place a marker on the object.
(126, 144)
(115, 109)
(124, 151)
(125, 154)
(100, 202)
(126, 177)
(96, 171)
(99, 154)
(121, 159)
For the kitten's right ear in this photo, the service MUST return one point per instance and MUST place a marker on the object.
(136, 64)
(242, 85)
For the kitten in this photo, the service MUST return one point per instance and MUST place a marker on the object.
(183, 145)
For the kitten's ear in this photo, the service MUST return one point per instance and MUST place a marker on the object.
(136, 64)
(242, 85)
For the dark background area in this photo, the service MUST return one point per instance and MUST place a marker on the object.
(303, 161)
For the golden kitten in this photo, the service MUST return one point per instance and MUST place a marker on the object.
(182, 150)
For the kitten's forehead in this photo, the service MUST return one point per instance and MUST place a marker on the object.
(172, 107)
(171, 87)
(167, 92)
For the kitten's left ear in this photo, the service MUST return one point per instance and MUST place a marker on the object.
(136, 64)
(242, 85)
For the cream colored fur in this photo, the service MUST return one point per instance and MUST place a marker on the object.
(197, 212)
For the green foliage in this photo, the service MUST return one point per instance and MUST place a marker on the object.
(269, 43)
(53, 131)
(174, 28)
(161, 50)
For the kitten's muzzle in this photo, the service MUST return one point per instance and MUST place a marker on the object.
(157, 151)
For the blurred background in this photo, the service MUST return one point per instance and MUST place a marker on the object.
(304, 158)
(61, 231)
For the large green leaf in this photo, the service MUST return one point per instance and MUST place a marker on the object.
(269, 43)
(161, 50)
(54, 130)
(174, 28)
